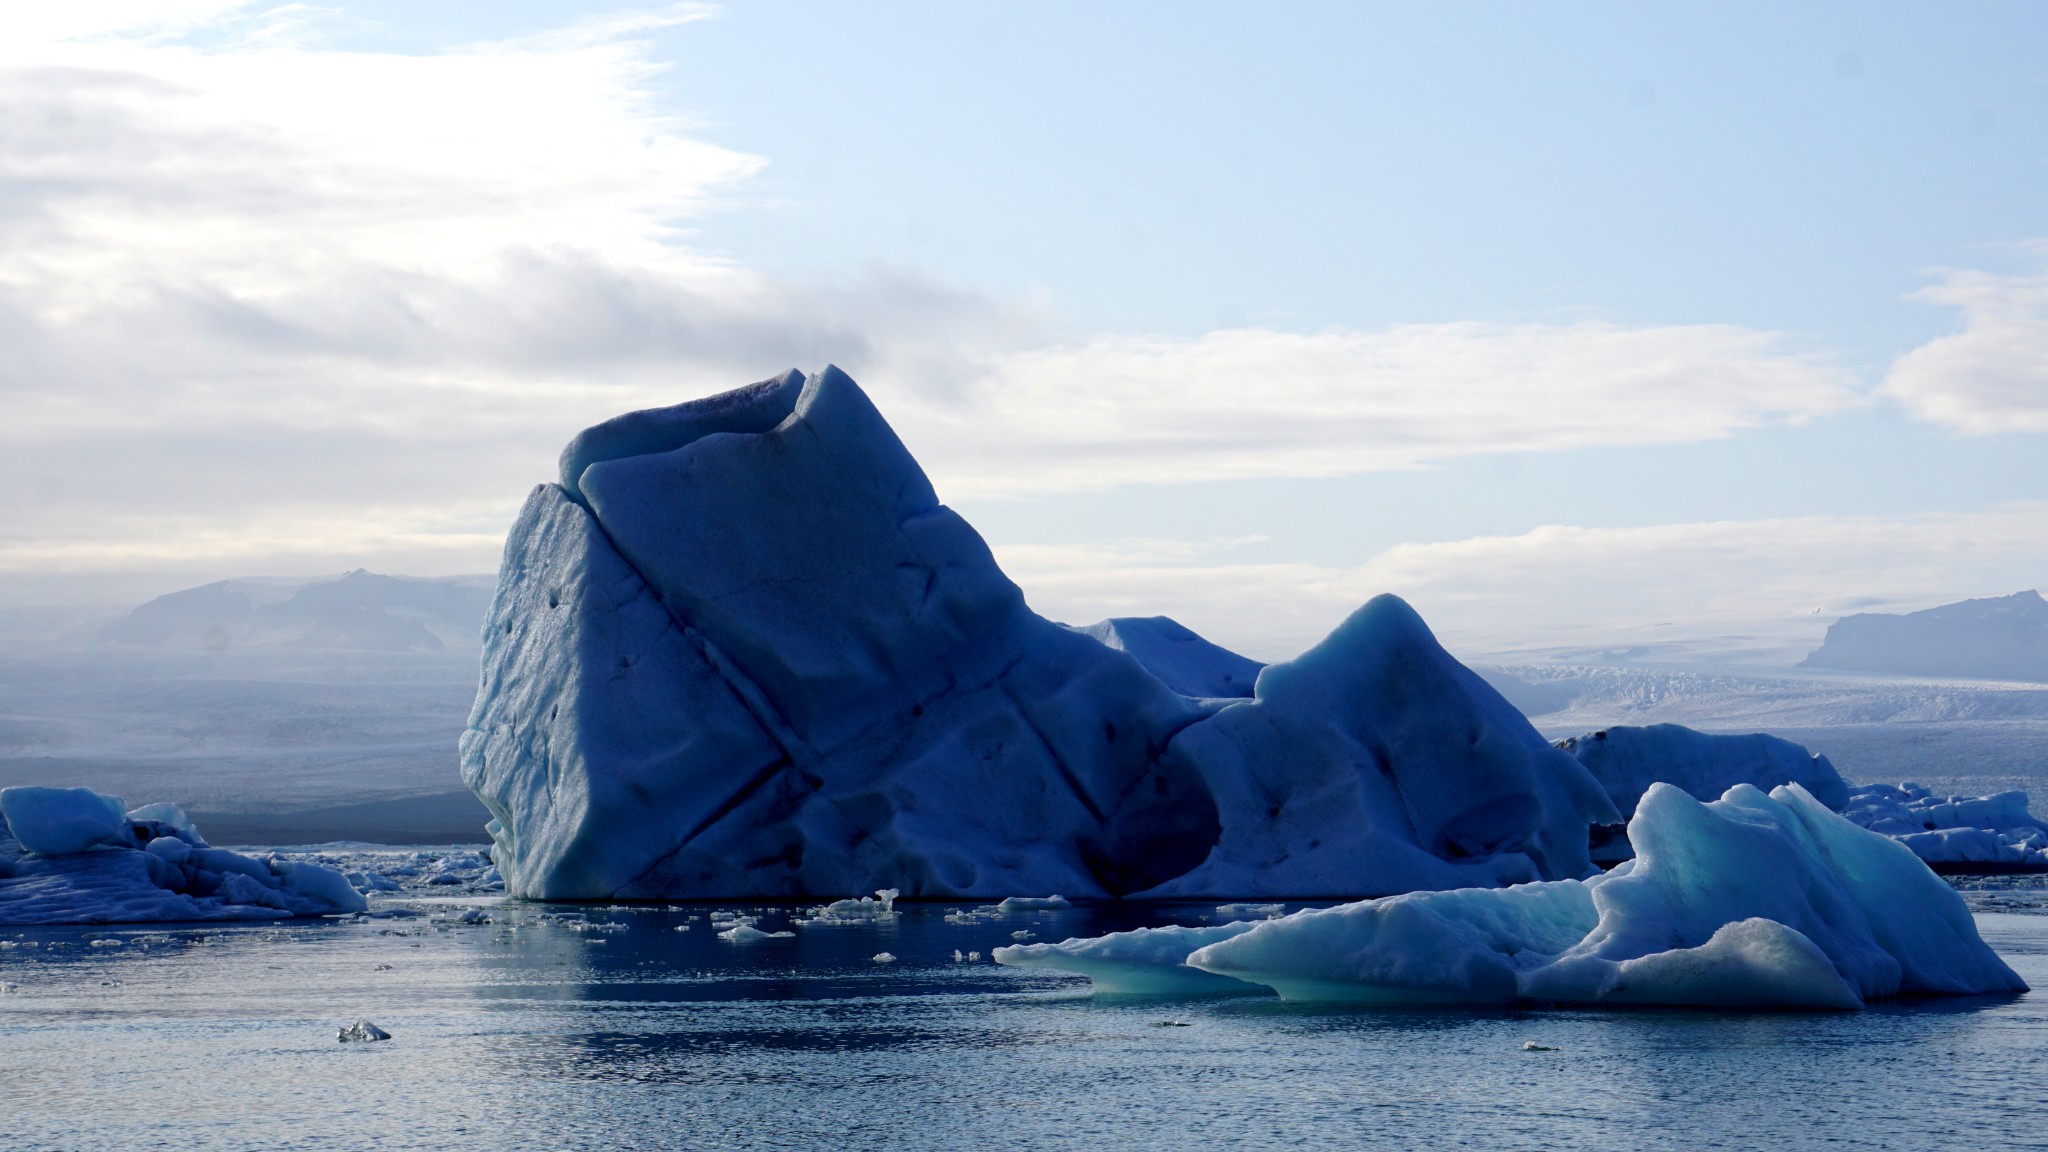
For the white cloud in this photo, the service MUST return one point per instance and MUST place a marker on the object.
(263, 298)
(1765, 587)
(1993, 375)
(1253, 402)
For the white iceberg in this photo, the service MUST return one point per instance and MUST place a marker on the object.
(1955, 833)
(1748, 901)
(741, 650)
(74, 856)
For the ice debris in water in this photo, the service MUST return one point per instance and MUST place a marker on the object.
(884, 958)
(1749, 901)
(746, 933)
(362, 1030)
(1021, 934)
(1269, 911)
(1031, 903)
(1532, 1046)
(1987, 831)
(75, 856)
(877, 909)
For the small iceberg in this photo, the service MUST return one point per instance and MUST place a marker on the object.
(1751, 901)
(1032, 903)
(362, 1031)
(75, 856)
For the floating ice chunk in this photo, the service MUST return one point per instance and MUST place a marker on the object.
(103, 867)
(1464, 946)
(61, 821)
(163, 812)
(1268, 911)
(1143, 962)
(1031, 903)
(366, 881)
(748, 934)
(957, 957)
(1959, 833)
(1532, 1046)
(877, 909)
(884, 958)
(974, 955)
(1750, 901)
(682, 927)
(362, 1031)
(1021, 934)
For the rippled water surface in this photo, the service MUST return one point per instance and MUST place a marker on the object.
(535, 1033)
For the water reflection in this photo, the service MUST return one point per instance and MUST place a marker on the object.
(531, 1032)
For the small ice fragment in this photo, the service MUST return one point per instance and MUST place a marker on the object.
(1532, 1046)
(362, 1030)
(473, 916)
(884, 958)
(1171, 1024)
(1031, 903)
(9, 989)
(748, 934)
(1264, 911)
(1021, 934)
(682, 927)
(974, 955)
(957, 957)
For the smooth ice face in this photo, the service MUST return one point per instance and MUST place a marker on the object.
(1750, 901)
(1627, 760)
(60, 821)
(742, 650)
(1142, 962)
(98, 865)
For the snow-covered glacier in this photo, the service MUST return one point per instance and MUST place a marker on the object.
(75, 856)
(740, 649)
(1751, 900)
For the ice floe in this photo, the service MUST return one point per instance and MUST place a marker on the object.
(1975, 832)
(74, 856)
(1752, 900)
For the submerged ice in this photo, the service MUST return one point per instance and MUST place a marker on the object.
(740, 649)
(75, 856)
(1751, 900)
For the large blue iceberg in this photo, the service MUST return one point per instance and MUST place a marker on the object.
(740, 649)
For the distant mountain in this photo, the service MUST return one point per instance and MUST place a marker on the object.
(359, 611)
(2005, 638)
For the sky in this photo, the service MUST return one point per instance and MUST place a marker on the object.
(1582, 326)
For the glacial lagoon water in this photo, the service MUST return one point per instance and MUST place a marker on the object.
(611, 1029)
